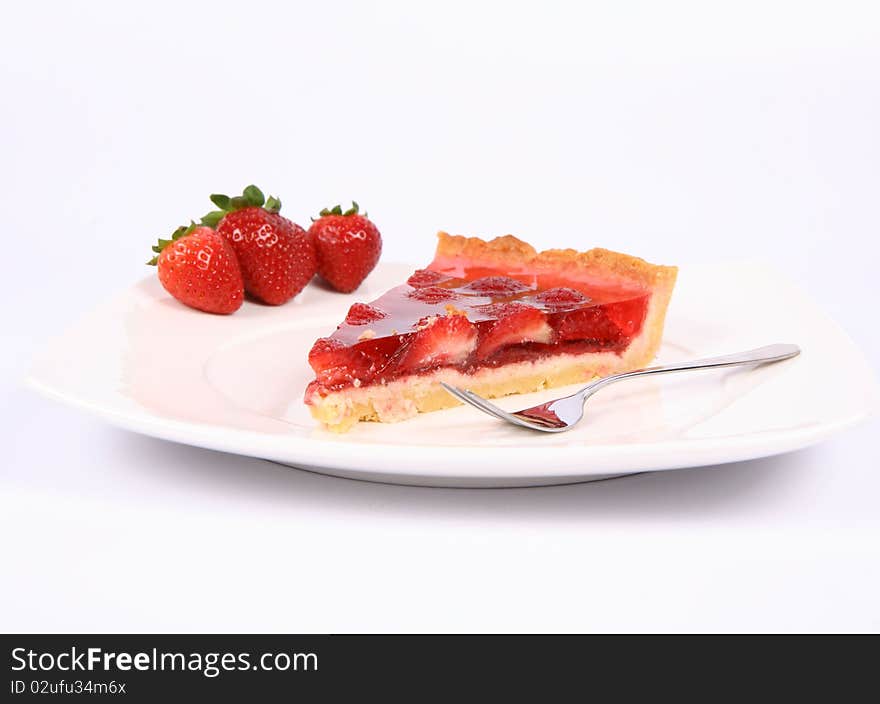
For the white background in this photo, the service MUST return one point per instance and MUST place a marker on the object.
(680, 132)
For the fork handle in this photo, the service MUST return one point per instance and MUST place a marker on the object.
(762, 355)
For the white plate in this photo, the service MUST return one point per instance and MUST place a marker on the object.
(146, 363)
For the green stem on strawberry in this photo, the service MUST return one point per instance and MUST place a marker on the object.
(181, 231)
(250, 197)
(337, 210)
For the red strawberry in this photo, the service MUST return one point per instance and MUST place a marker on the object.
(335, 362)
(324, 351)
(589, 324)
(562, 298)
(517, 323)
(362, 313)
(328, 354)
(628, 315)
(348, 246)
(276, 255)
(426, 277)
(608, 323)
(496, 286)
(198, 267)
(433, 294)
(446, 339)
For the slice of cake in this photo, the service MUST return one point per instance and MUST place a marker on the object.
(496, 317)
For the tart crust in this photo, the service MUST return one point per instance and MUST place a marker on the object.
(406, 397)
(509, 252)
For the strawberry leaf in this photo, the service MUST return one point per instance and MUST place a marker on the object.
(181, 231)
(251, 197)
(213, 218)
(254, 196)
(220, 201)
(337, 210)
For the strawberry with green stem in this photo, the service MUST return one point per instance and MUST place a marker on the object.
(198, 267)
(347, 244)
(276, 256)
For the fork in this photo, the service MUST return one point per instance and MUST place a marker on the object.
(564, 413)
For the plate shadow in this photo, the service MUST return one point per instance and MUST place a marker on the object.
(675, 494)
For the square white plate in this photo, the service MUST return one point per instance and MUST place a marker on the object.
(235, 383)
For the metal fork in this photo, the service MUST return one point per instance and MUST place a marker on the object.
(564, 413)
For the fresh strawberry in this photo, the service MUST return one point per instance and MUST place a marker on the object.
(198, 267)
(517, 323)
(276, 255)
(445, 339)
(348, 246)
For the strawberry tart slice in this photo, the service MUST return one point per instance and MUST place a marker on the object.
(496, 317)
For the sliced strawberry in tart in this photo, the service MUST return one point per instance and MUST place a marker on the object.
(495, 317)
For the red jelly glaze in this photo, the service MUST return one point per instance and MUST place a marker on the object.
(376, 343)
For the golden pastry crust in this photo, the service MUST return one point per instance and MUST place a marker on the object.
(510, 253)
(504, 250)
